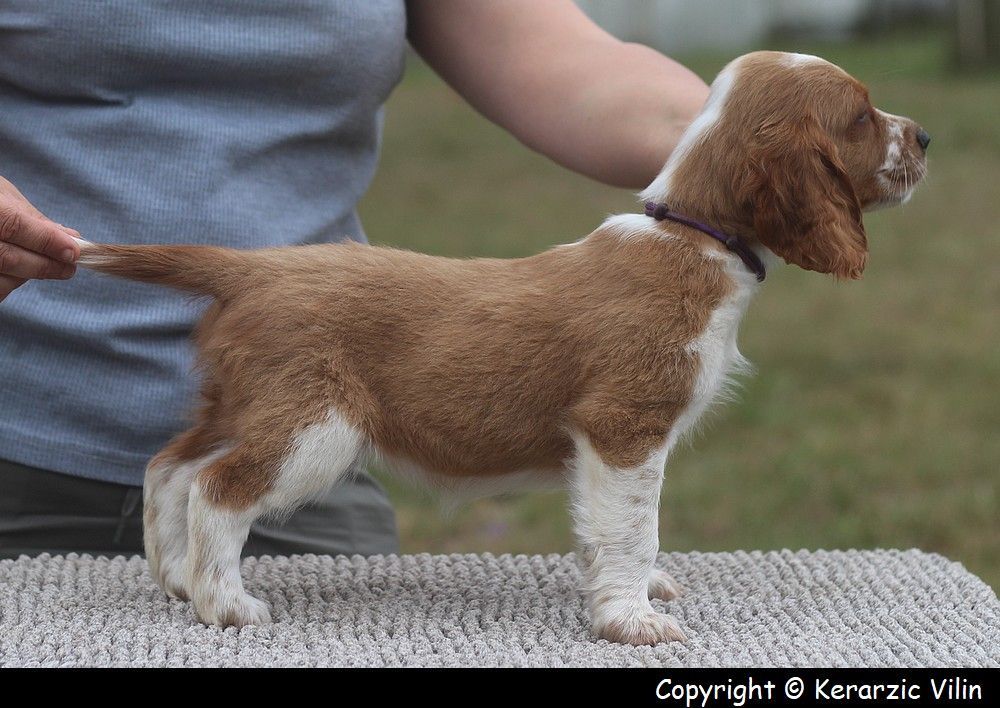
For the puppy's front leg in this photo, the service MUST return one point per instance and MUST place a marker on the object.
(616, 516)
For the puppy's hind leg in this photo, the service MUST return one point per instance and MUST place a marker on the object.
(165, 501)
(268, 473)
(616, 510)
(662, 586)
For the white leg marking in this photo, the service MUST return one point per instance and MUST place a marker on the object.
(320, 455)
(662, 586)
(217, 536)
(616, 515)
(165, 503)
(616, 511)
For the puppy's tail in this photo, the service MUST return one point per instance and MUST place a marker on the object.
(206, 270)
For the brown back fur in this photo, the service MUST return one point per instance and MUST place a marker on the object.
(467, 367)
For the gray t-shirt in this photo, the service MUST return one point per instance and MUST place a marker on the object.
(246, 124)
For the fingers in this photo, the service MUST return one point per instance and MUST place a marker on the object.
(31, 246)
(8, 284)
(39, 235)
(22, 263)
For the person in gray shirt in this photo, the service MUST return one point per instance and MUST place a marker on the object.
(245, 124)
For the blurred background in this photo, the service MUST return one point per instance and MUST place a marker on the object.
(874, 417)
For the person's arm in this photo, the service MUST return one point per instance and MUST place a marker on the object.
(31, 246)
(563, 86)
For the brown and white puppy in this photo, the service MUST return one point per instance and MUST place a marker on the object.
(582, 365)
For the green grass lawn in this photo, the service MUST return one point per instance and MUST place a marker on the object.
(874, 418)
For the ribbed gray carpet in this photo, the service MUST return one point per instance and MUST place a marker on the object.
(853, 608)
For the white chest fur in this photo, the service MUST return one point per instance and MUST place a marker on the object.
(719, 357)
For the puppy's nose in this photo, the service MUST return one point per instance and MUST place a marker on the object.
(923, 138)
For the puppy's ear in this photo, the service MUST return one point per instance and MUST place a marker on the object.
(804, 206)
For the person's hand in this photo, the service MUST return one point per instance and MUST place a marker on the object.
(31, 245)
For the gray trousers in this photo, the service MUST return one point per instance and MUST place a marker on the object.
(48, 512)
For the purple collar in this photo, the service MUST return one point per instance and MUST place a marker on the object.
(749, 258)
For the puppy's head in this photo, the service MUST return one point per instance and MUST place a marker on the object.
(789, 149)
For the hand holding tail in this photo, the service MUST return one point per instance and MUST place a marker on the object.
(31, 245)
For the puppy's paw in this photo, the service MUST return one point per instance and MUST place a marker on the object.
(233, 611)
(663, 587)
(173, 580)
(642, 627)
(169, 574)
